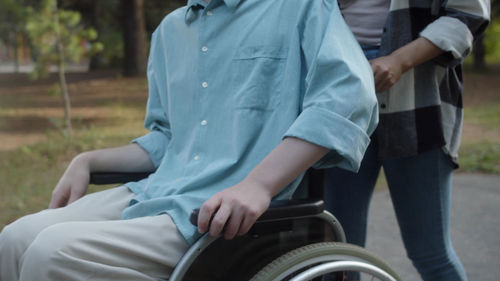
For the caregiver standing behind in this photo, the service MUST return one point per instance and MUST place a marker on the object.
(416, 49)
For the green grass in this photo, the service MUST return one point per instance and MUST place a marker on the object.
(487, 115)
(31, 172)
(481, 156)
(107, 112)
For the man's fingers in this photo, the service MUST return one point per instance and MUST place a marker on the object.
(247, 223)
(234, 224)
(73, 197)
(220, 219)
(58, 200)
(206, 212)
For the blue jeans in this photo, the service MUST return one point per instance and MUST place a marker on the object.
(371, 52)
(420, 188)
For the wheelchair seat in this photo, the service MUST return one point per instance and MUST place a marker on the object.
(293, 240)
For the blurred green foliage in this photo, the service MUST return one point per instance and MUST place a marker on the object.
(487, 116)
(48, 26)
(481, 156)
(105, 17)
(45, 162)
(492, 41)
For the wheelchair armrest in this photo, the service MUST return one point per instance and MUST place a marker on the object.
(281, 209)
(116, 177)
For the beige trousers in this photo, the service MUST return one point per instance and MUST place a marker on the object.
(87, 240)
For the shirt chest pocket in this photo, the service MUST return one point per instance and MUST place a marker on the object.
(257, 73)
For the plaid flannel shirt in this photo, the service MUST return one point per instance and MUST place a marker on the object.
(424, 110)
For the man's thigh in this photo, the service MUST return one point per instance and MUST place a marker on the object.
(18, 236)
(144, 248)
(103, 205)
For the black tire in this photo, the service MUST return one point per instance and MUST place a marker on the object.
(301, 259)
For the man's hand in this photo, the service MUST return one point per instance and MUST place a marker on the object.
(236, 208)
(73, 184)
(387, 71)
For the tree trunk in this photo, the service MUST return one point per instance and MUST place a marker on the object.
(16, 49)
(479, 54)
(62, 76)
(67, 104)
(134, 37)
(96, 59)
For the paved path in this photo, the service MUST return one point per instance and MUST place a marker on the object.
(27, 68)
(475, 228)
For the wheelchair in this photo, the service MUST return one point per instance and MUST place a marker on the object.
(294, 240)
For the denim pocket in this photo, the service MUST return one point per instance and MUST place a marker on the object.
(258, 72)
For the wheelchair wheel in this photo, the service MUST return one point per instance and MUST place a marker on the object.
(327, 261)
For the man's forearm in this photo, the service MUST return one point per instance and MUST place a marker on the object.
(74, 182)
(238, 207)
(285, 163)
(129, 158)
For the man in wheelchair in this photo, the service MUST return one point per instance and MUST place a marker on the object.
(244, 96)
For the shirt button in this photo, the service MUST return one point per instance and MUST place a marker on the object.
(204, 84)
(209, 13)
(204, 48)
(196, 158)
(204, 122)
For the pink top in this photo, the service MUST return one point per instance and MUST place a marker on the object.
(366, 18)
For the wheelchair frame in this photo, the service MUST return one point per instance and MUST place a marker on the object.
(293, 240)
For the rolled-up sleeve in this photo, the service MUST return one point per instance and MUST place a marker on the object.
(156, 120)
(339, 109)
(455, 31)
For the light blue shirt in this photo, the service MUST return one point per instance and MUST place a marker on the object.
(229, 80)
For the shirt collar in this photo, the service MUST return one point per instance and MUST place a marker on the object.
(191, 13)
(232, 3)
(229, 3)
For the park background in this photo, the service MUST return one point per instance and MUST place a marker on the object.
(105, 45)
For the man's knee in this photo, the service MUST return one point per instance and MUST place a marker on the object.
(17, 236)
(53, 239)
(14, 239)
(9, 243)
(7, 237)
(21, 233)
(47, 252)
